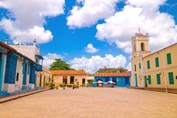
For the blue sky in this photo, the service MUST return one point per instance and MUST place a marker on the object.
(88, 34)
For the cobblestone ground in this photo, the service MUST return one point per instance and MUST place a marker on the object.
(92, 103)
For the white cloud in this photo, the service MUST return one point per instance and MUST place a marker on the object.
(50, 58)
(153, 4)
(91, 49)
(28, 17)
(90, 12)
(122, 26)
(38, 33)
(128, 67)
(94, 63)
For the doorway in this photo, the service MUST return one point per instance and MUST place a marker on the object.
(136, 80)
(145, 81)
(64, 79)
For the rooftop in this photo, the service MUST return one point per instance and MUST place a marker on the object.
(113, 74)
(68, 72)
(15, 51)
(140, 34)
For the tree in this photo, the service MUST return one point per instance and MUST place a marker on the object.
(59, 64)
(121, 69)
(112, 70)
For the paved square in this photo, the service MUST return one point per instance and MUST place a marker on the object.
(92, 103)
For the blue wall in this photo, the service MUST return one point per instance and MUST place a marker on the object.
(11, 65)
(32, 77)
(121, 81)
(24, 71)
(1, 69)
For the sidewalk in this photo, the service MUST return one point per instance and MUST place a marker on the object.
(9, 98)
(157, 89)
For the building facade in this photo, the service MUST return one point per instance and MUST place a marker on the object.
(43, 78)
(153, 70)
(17, 71)
(120, 79)
(71, 77)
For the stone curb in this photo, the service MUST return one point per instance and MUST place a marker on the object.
(173, 91)
(10, 98)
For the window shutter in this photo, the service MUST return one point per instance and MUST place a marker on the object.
(24, 71)
(171, 78)
(32, 74)
(158, 78)
(169, 58)
(148, 64)
(149, 79)
(11, 65)
(140, 65)
(157, 62)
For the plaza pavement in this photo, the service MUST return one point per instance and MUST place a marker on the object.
(92, 103)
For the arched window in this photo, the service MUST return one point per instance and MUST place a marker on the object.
(142, 46)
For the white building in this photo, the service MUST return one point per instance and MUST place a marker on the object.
(18, 66)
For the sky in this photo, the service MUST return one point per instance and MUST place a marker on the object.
(88, 34)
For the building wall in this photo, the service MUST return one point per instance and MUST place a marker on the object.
(149, 77)
(58, 79)
(2, 70)
(138, 72)
(18, 83)
(120, 81)
(90, 78)
(27, 50)
(163, 69)
(43, 78)
(137, 78)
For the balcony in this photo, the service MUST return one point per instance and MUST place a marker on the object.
(38, 67)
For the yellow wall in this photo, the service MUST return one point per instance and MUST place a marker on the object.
(43, 77)
(163, 68)
(58, 79)
(137, 56)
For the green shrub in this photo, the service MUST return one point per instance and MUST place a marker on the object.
(47, 84)
(51, 85)
(62, 85)
(69, 85)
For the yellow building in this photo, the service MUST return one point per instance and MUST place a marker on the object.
(153, 70)
(43, 78)
(71, 77)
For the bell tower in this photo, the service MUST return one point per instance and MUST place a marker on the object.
(140, 49)
(140, 45)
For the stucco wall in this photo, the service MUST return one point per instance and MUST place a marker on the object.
(28, 50)
(77, 78)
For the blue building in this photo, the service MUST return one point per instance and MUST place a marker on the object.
(119, 79)
(17, 71)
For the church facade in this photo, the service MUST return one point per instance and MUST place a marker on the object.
(153, 70)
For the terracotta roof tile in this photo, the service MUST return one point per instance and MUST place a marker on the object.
(68, 72)
(113, 74)
(140, 34)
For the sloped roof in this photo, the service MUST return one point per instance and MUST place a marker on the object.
(68, 72)
(112, 74)
(46, 70)
(15, 51)
(6, 46)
